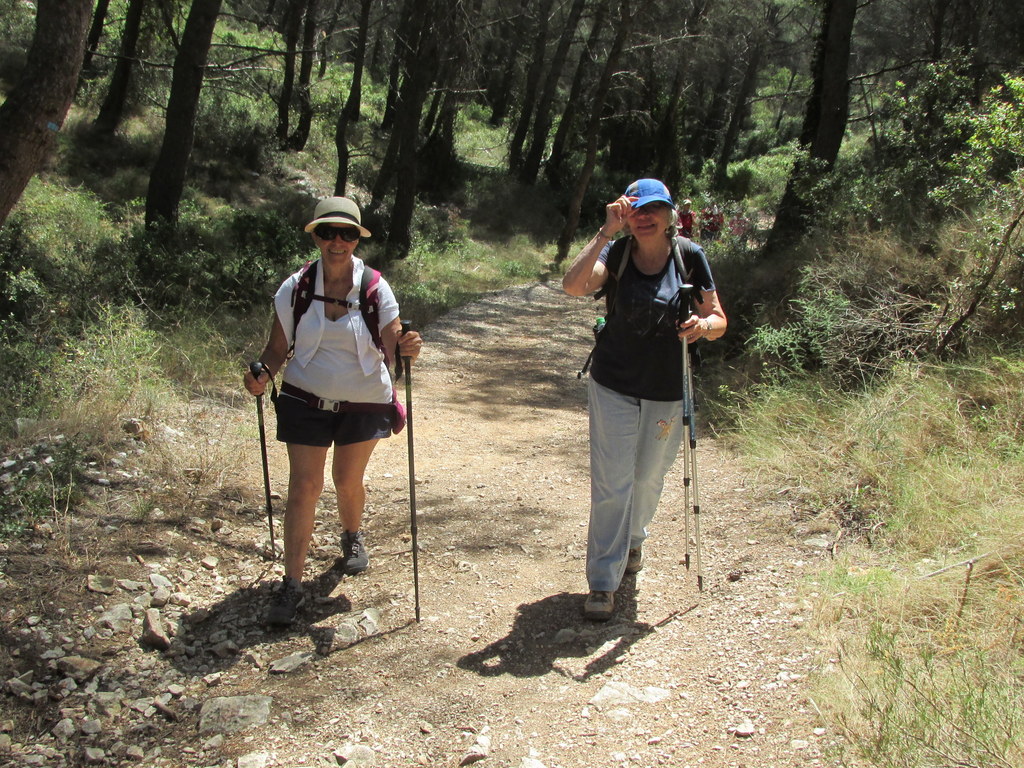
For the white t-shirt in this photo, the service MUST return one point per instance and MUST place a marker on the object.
(336, 359)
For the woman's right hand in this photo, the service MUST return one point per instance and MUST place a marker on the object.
(256, 385)
(617, 214)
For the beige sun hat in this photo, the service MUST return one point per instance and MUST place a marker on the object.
(337, 210)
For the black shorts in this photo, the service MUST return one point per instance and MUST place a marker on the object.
(302, 424)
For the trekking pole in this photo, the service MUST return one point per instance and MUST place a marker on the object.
(256, 369)
(407, 366)
(686, 462)
(690, 450)
(691, 434)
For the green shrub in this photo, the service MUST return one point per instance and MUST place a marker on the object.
(235, 129)
(43, 485)
(233, 261)
(764, 178)
(107, 371)
(856, 314)
(25, 358)
(17, 25)
(58, 256)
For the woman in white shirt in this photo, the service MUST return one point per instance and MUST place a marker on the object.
(337, 391)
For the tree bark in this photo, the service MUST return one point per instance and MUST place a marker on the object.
(533, 74)
(167, 180)
(542, 120)
(420, 64)
(572, 220)
(823, 127)
(407, 26)
(112, 109)
(37, 105)
(350, 112)
(292, 27)
(513, 35)
(92, 41)
(298, 138)
(739, 111)
(556, 160)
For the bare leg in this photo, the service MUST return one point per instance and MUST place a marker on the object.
(305, 483)
(348, 468)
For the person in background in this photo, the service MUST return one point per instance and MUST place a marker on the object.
(711, 222)
(635, 388)
(336, 391)
(687, 218)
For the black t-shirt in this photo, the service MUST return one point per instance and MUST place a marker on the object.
(639, 353)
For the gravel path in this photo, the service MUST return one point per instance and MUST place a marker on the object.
(502, 670)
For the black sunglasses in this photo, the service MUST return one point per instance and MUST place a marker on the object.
(328, 233)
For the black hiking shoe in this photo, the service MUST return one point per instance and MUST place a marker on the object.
(599, 605)
(286, 603)
(355, 560)
(635, 561)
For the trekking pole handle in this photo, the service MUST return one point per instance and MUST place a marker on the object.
(256, 367)
(685, 301)
(401, 362)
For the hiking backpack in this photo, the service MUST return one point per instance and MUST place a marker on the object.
(369, 300)
(369, 304)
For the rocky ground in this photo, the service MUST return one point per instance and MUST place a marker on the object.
(131, 633)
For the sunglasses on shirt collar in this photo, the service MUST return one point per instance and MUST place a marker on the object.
(327, 232)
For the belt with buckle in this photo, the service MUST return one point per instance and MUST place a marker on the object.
(334, 406)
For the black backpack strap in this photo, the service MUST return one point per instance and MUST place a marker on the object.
(618, 258)
(369, 303)
(303, 293)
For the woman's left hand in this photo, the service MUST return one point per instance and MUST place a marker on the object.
(409, 344)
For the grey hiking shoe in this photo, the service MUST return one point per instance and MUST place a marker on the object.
(599, 605)
(635, 561)
(355, 560)
(286, 603)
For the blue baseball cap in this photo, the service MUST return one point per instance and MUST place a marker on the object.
(649, 191)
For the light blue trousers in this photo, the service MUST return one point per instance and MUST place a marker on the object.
(633, 443)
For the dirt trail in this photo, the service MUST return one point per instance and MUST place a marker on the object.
(502, 669)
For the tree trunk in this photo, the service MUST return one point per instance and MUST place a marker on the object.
(739, 111)
(823, 127)
(407, 26)
(556, 160)
(167, 181)
(593, 130)
(533, 73)
(420, 64)
(292, 27)
(355, 94)
(92, 42)
(297, 141)
(667, 167)
(542, 121)
(350, 112)
(37, 105)
(325, 41)
(513, 37)
(112, 110)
